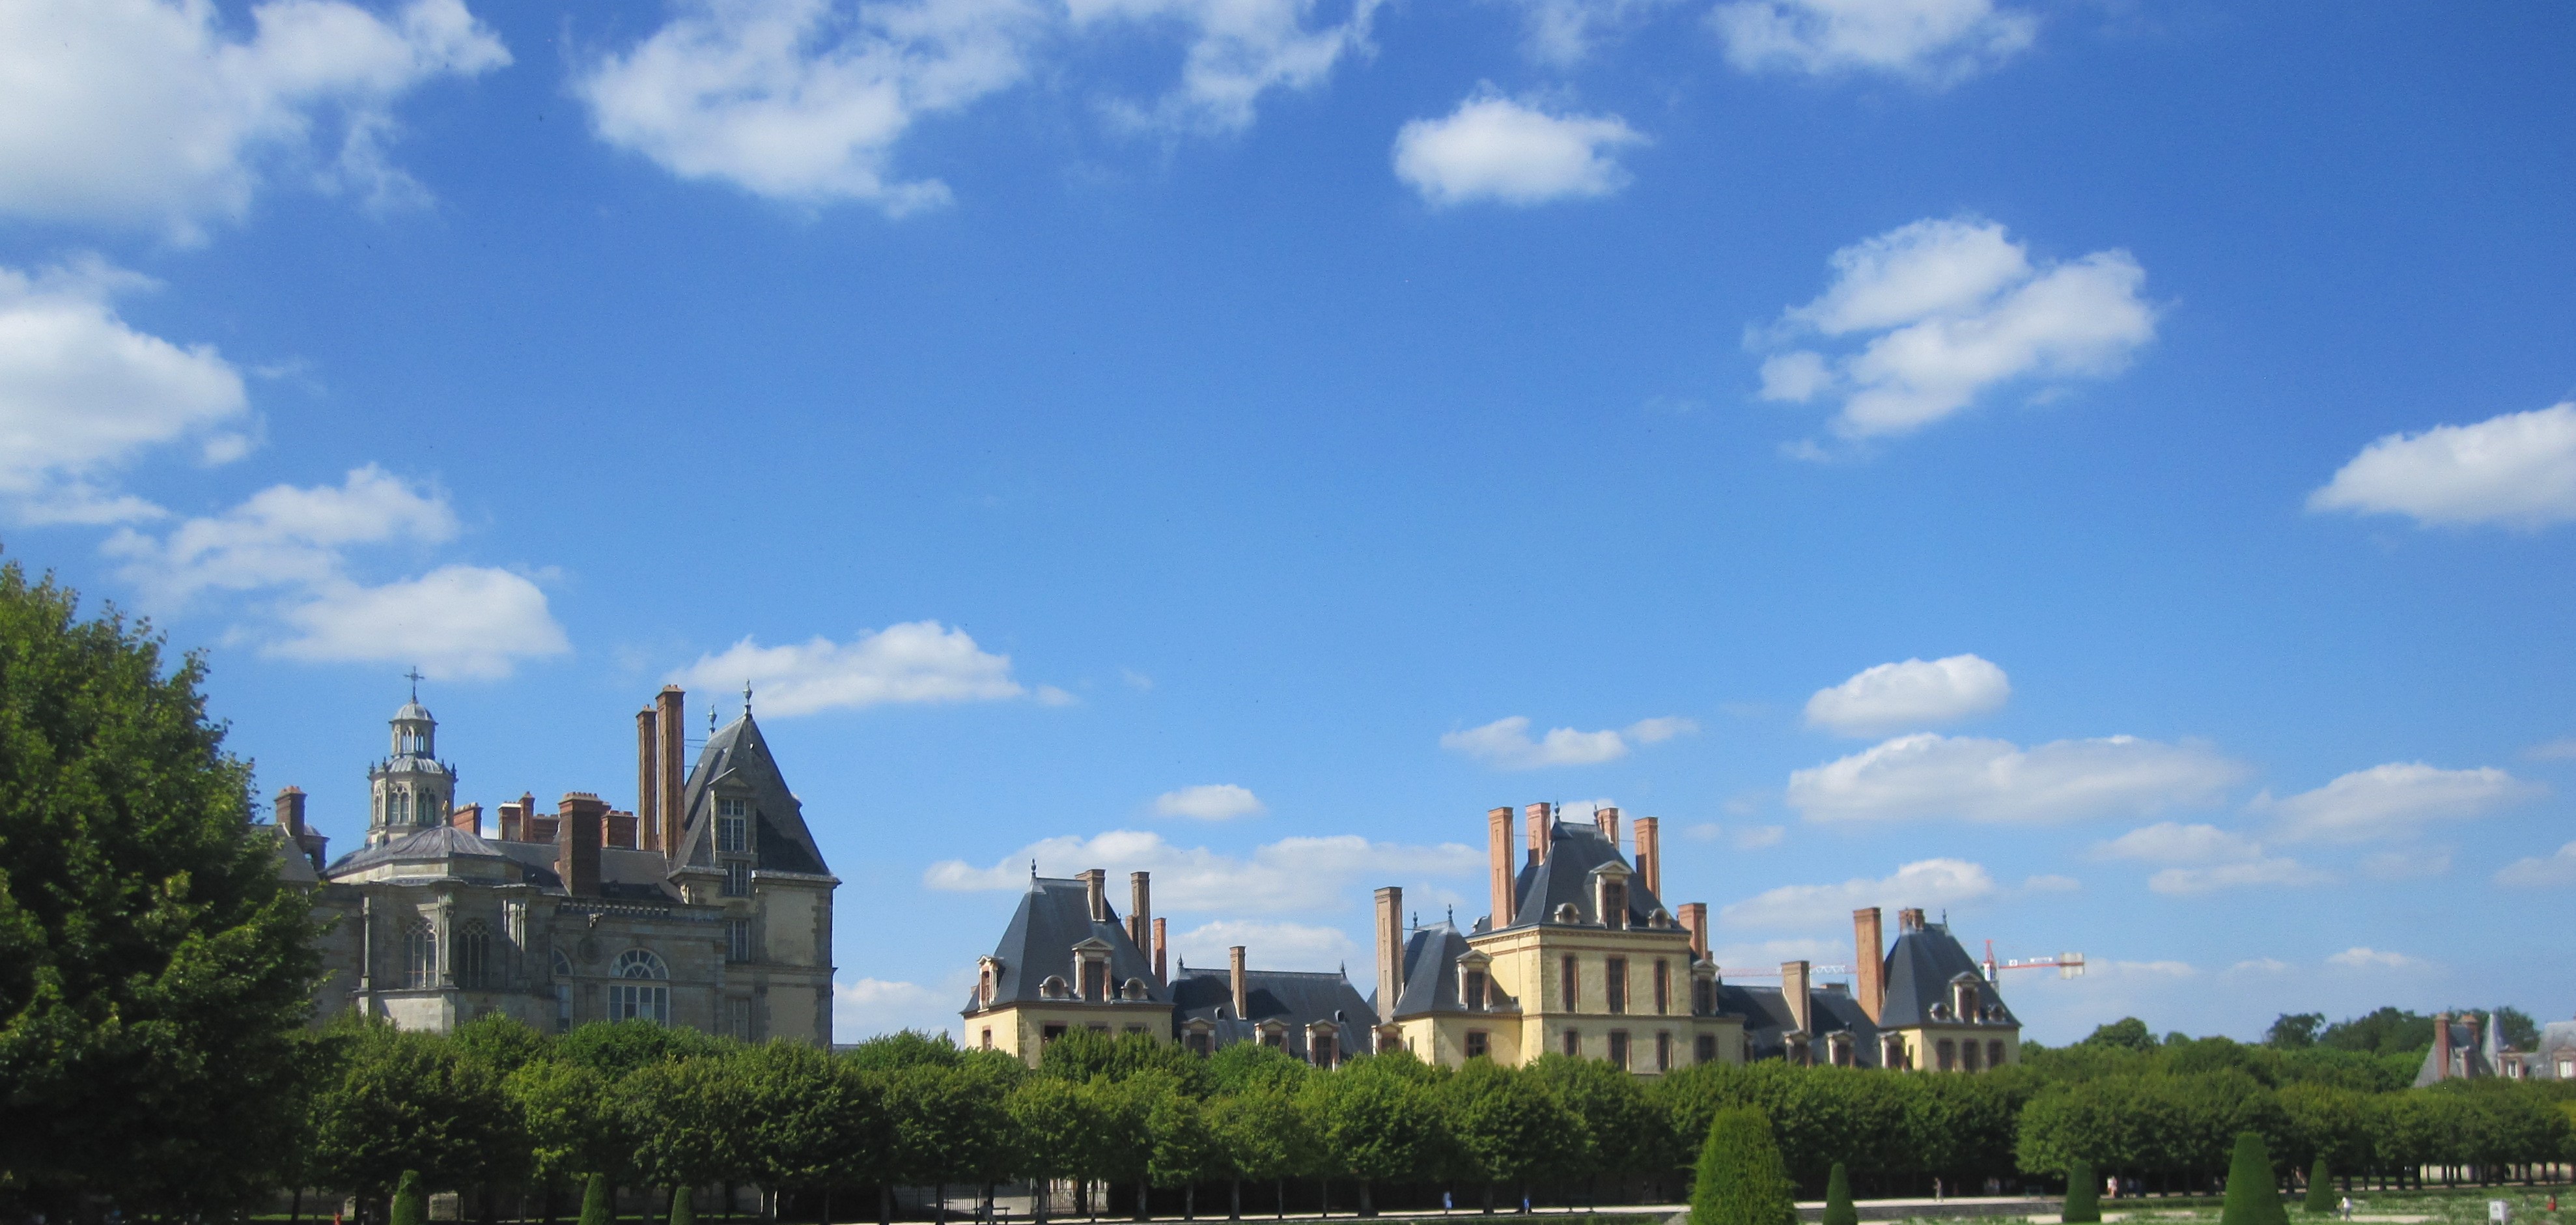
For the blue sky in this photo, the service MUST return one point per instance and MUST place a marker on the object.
(2103, 470)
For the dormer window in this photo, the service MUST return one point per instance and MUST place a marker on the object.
(1475, 993)
(1133, 990)
(733, 824)
(1053, 988)
(1614, 903)
(1964, 998)
(1568, 914)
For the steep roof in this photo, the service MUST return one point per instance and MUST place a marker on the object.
(1295, 998)
(2470, 1056)
(1768, 1022)
(1431, 975)
(739, 757)
(1564, 878)
(1920, 970)
(1053, 916)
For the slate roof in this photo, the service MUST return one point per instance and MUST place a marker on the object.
(1053, 916)
(1767, 1022)
(438, 842)
(780, 842)
(1431, 975)
(1299, 999)
(292, 865)
(1919, 972)
(2474, 1055)
(1565, 877)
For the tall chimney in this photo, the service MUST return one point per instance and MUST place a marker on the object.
(1695, 921)
(648, 778)
(1909, 920)
(1390, 951)
(669, 707)
(1095, 889)
(467, 817)
(1650, 855)
(1538, 831)
(290, 813)
(1242, 991)
(1869, 961)
(1140, 907)
(2441, 1046)
(577, 828)
(1793, 992)
(1498, 848)
(1607, 821)
(1162, 974)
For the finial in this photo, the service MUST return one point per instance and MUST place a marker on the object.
(414, 676)
(1453, 914)
(746, 697)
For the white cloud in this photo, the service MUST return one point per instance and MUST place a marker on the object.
(284, 536)
(1238, 51)
(2260, 965)
(1910, 695)
(1562, 33)
(2363, 957)
(873, 1006)
(147, 113)
(1764, 956)
(804, 100)
(1209, 802)
(1505, 744)
(2205, 858)
(2050, 882)
(2518, 469)
(2413, 864)
(455, 622)
(1928, 883)
(82, 394)
(2534, 871)
(1492, 148)
(1928, 775)
(917, 661)
(1756, 837)
(2393, 801)
(2272, 871)
(1955, 309)
(1938, 42)
(1266, 946)
(1290, 874)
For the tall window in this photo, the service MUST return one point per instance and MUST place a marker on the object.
(1703, 997)
(738, 940)
(1707, 1049)
(402, 808)
(1663, 1052)
(1476, 1047)
(1614, 904)
(563, 993)
(1948, 1054)
(1325, 1049)
(1619, 1049)
(1475, 990)
(1569, 986)
(1198, 1043)
(1995, 1053)
(420, 956)
(1095, 981)
(1573, 1045)
(474, 955)
(1968, 1053)
(1614, 983)
(733, 825)
(738, 1020)
(640, 991)
(1663, 986)
(737, 878)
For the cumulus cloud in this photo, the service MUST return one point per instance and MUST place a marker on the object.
(1937, 42)
(2537, 871)
(873, 1006)
(1994, 781)
(1562, 33)
(82, 394)
(2393, 801)
(2205, 858)
(1266, 946)
(1951, 309)
(1495, 149)
(1210, 802)
(915, 662)
(1928, 883)
(289, 548)
(149, 113)
(1910, 695)
(2518, 470)
(2363, 957)
(1238, 50)
(804, 101)
(1287, 875)
(1505, 744)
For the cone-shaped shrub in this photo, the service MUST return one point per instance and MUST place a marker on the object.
(2252, 1197)
(411, 1204)
(1838, 1204)
(2083, 1194)
(2321, 1196)
(1740, 1179)
(684, 1207)
(596, 1208)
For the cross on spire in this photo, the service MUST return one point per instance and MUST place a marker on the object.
(414, 677)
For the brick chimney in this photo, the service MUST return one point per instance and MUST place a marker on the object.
(621, 829)
(1795, 980)
(1242, 989)
(1140, 907)
(290, 812)
(669, 708)
(1161, 972)
(578, 818)
(648, 777)
(1538, 831)
(1390, 951)
(1607, 821)
(1095, 890)
(1498, 851)
(468, 817)
(1695, 921)
(1909, 920)
(2441, 1046)
(1869, 961)
(537, 828)
(1650, 855)
(513, 829)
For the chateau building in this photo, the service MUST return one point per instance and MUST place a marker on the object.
(708, 906)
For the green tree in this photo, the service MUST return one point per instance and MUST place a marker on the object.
(1267, 1136)
(1838, 1198)
(806, 1117)
(2128, 1032)
(573, 1127)
(1740, 1179)
(2083, 1194)
(598, 1202)
(1184, 1153)
(411, 1203)
(155, 972)
(1053, 1119)
(687, 1117)
(2294, 1031)
(2381, 1031)
(2321, 1196)
(906, 1048)
(1622, 1131)
(502, 1041)
(410, 1102)
(2252, 1197)
(1244, 1066)
(1509, 1127)
(615, 1048)
(1377, 1120)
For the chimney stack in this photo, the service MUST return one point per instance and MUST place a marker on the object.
(468, 817)
(648, 778)
(1695, 921)
(1538, 831)
(1650, 855)
(290, 812)
(1161, 974)
(577, 829)
(622, 830)
(1869, 964)
(1607, 820)
(1140, 907)
(1498, 848)
(669, 709)
(1909, 920)
(1242, 991)
(1095, 889)
(1793, 992)
(1390, 951)
(2441, 1046)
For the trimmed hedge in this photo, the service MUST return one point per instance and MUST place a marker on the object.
(2083, 1194)
(2321, 1196)
(597, 1208)
(2252, 1197)
(1838, 1199)
(411, 1204)
(1741, 1180)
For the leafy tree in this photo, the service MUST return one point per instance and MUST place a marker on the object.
(598, 1203)
(1378, 1121)
(687, 1118)
(410, 1102)
(2380, 1031)
(1183, 1152)
(907, 1048)
(2083, 1194)
(573, 1127)
(2252, 1197)
(1053, 1119)
(1838, 1198)
(2294, 1031)
(949, 1123)
(2127, 1032)
(1622, 1131)
(1245, 1066)
(411, 1204)
(1266, 1135)
(1509, 1127)
(684, 1207)
(1740, 1179)
(501, 1041)
(615, 1048)
(155, 973)
(805, 1117)
(2321, 1196)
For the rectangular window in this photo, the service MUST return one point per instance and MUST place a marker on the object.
(1475, 991)
(635, 1001)
(1995, 1055)
(1326, 1050)
(1663, 986)
(1051, 1033)
(1619, 1049)
(1663, 1052)
(1573, 1044)
(1476, 1048)
(1948, 1053)
(1275, 1040)
(1706, 1049)
(733, 825)
(1968, 1054)
(1095, 981)
(738, 1019)
(563, 1008)
(1198, 1043)
(737, 878)
(1703, 997)
(1614, 905)
(738, 940)
(1614, 984)
(1570, 986)
(988, 1037)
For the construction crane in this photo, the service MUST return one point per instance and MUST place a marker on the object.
(2067, 965)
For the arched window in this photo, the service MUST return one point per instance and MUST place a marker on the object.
(402, 808)
(420, 956)
(474, 955)
(639, 993)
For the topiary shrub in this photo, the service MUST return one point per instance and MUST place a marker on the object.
(684, 1208)
(2083, 1194)
(2321, 1196)
(411, 1204)
(1740, 1178)
(1838, 1201)
(2252, 1197)
(598, 1205)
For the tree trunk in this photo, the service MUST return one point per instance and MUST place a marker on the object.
(939, 1196)
(1144, 1200)
(1366, 1208)
(1190, 1202)
(1234, 1203)
(1489, 1199)
(1282, 1203)
(885, 1203)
